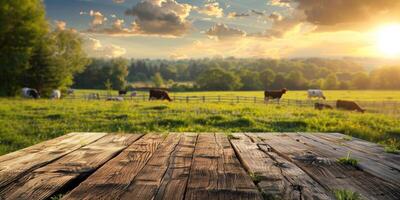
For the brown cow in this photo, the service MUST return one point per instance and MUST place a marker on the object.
(348, 105)
(274, 94)
(159, 95)
(321, 106)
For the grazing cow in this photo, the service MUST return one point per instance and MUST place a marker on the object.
(321, 106)
(315, 93)
(159, 95)
(56, 94)
(30, 93)
(348, 105)
(70, 91)
(133, 94)
(94, 96)
(122, 92)
(274, 94)
(115, 99)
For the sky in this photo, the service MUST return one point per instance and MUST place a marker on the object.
(179, 29)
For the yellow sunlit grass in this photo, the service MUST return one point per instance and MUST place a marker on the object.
(388, 40)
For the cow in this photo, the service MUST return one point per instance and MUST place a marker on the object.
(70, 91)
(321, 106)
(274, 94)
(122, 92)
(133, 94)
(115, 99)
(94, 96)
(315, 93)
(55, 94)
(159, 95)
(349, 105)
(30, 93)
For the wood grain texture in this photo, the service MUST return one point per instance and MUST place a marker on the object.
(174, 182)
(110, 181)
(318, 164)
(379, 167)
(42, 183)
(146, 183)
(215, 173)
(15, 165)
(276, 177)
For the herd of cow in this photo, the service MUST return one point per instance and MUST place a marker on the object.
(157, 94)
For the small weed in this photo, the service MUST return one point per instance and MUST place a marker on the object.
(255, 177)
(392, 146)
(347, 138)
(56, 197)
(346, 195)
(348, 161)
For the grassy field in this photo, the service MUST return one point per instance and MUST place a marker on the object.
(363, 95)
(26, 122)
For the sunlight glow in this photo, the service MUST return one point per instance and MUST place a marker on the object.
(389, 40)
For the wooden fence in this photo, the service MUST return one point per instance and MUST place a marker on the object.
(384, 107)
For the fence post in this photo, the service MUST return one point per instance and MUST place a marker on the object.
(144, 98)
(187, 99)
(237, 99)
(204, 99)
(255, 99)
(219, 98)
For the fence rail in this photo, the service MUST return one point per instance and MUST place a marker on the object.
(384, 107)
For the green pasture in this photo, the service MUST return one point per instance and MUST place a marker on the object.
(26, 122)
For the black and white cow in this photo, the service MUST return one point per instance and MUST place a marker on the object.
(30, 93)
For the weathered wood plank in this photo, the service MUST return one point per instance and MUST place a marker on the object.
(19, 163)
(374, 151)
(174, 182)
(277, 178)
(110, 181)
(208, 176)
(146, 183)
(326, 171)
(376, 166)
(46, 181)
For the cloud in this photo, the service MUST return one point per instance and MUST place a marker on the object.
(280, 3)
(275, 17)
(237, 15)
(346, 14)
(119, 1)
(222, 31)
(256, 12)
(211, 9)
(97, 18)
(178, 56)
(60, 25)
(93, 47)
(160, 17)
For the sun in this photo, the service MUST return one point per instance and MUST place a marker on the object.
(388, 40)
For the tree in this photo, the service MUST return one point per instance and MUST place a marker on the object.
(22, 24)
(331, 82)
(360, 81)
(250, 80)
(218, 79)
(118, 71)
(46, 70)
(158, 80)
(279, 81)
(55, 59)
(295, 80)
(267, 77)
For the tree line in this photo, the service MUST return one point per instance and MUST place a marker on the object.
(32, 54)
(236, 74)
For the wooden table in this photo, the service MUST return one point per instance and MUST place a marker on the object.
(198, 166)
